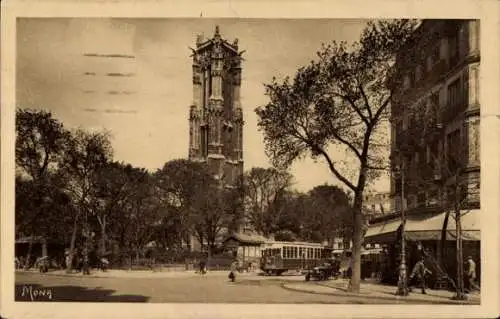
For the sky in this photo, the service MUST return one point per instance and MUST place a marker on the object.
(145, 101)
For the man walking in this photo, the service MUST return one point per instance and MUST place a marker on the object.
(471, 274)
(420, 271)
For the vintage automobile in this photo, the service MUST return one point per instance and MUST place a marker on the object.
(325, 271)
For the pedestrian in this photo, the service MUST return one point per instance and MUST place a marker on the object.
(232, 273)
(420, 271)
(471, 274)
(202, 267)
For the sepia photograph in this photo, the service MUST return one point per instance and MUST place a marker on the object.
(131, 163)
(205, 160)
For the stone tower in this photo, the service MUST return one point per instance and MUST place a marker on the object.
(215, 116)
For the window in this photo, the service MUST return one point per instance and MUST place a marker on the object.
(434, 102)
(454, 94)
(454, 143)
(461, 40)
(453, 47)
(421, 198)
(412, 201)
(418, 73)
(432, 196)
(434, 55)
(406, 82)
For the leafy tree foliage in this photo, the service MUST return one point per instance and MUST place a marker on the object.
(40, 147)
(87, 153)
(264, 191)
(339, 101)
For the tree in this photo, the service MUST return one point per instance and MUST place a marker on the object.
(181, 184)
(114, 185)
(212, 214)
(142, 212)
(330, 208)
(264, 189)
(339, 101)
(88, 153)
(40, 147)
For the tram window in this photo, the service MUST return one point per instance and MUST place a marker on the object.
(286, 251)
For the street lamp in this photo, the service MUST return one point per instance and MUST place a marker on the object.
(402, 278)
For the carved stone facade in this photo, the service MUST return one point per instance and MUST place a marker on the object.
(216, 117)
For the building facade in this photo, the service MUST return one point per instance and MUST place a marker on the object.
(435, 114)
(435, 144)
(216, 116)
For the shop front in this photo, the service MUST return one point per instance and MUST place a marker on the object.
(423, 237)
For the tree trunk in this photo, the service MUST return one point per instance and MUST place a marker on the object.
(443, 239)
(72, 246)
(102, 247)
(28, 254)
(357, 243)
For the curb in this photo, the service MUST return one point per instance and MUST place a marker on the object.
(396, 299)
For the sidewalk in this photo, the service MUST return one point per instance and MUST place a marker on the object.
(380, 291)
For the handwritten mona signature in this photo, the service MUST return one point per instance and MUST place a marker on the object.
(36, 293)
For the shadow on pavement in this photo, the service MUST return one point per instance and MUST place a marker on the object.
(35, 292)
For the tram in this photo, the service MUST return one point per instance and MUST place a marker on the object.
(279, 256)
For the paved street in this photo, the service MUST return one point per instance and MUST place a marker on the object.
(187, 287)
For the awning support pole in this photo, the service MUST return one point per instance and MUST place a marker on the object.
(402, 279)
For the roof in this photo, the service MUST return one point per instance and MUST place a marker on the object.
(205, 43)
(247, 238)
(295, 243)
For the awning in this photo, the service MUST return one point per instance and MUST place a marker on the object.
(430, 228)
(425, 228)
(382, 232)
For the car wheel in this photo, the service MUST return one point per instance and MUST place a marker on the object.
(308, 277)
(322, 275)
